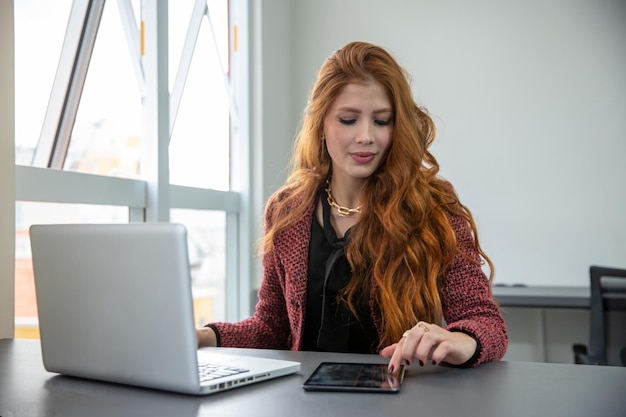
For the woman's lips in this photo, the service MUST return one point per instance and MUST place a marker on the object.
(362, 157)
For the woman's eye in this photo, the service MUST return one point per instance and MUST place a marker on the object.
(383, 122)
(347, 121)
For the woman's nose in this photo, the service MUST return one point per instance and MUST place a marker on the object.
(365, 134)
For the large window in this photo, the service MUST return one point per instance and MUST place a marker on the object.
(200, 108)
(107, 138)
(33, 87)
(85, 142)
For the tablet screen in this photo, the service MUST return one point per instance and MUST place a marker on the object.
(355, 377)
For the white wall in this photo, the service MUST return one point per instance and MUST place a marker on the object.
(530, 102)
(276, 74)
(7, 171)
(270, 108)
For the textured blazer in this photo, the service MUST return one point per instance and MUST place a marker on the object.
(278, 322)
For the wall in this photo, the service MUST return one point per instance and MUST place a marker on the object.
(271, 110)
(529, 99)
(7, 171)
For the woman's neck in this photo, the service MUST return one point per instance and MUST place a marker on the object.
(347, 192)
(344, 198)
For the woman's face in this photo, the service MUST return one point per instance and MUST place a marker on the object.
(358, 130)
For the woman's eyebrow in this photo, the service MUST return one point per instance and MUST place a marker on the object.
(349, 109)
(355, 110)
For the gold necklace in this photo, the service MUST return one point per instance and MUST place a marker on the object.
(341, 210)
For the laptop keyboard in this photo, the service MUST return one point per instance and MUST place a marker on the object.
(210, 371)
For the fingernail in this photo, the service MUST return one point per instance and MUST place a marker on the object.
(390, 369)
(421, 363)
(434, 363)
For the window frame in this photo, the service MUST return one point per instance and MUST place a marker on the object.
(151, 199)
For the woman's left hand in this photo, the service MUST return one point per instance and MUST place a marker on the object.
(428, 342)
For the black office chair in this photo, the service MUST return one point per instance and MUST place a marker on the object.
(608, 291)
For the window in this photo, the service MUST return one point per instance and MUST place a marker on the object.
(200, 116)
(206, 232)
(84, 116)
(32, 92)
(106, 138)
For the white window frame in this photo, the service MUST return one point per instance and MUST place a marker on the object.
(150, 199)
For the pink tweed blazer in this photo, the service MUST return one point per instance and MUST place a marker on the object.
(278, 322)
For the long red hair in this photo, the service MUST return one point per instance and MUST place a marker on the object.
(403, 241)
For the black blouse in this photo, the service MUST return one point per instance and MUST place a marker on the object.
(329, 325)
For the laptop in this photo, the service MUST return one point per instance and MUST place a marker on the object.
(115, 305)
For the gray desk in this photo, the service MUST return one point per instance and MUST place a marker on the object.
(494, 389)
(542, 297)
(544, 305)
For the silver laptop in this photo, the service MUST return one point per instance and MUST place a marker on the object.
(115, 305)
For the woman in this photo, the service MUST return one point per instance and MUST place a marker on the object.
(366, 249)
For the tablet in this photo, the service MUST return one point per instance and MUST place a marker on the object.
(354, 377)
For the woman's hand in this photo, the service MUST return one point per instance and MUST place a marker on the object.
(206, 337)
(430, 343)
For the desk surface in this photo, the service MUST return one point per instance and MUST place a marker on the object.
(542, 297)
(493, 389)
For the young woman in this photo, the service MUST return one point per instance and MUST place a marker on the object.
(366, 248)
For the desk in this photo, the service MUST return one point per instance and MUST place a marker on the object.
(492, 389)
(554, 311)
(542, 297)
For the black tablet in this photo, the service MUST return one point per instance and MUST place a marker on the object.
(354, 377)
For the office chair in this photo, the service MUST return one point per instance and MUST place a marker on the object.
(608, 291)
